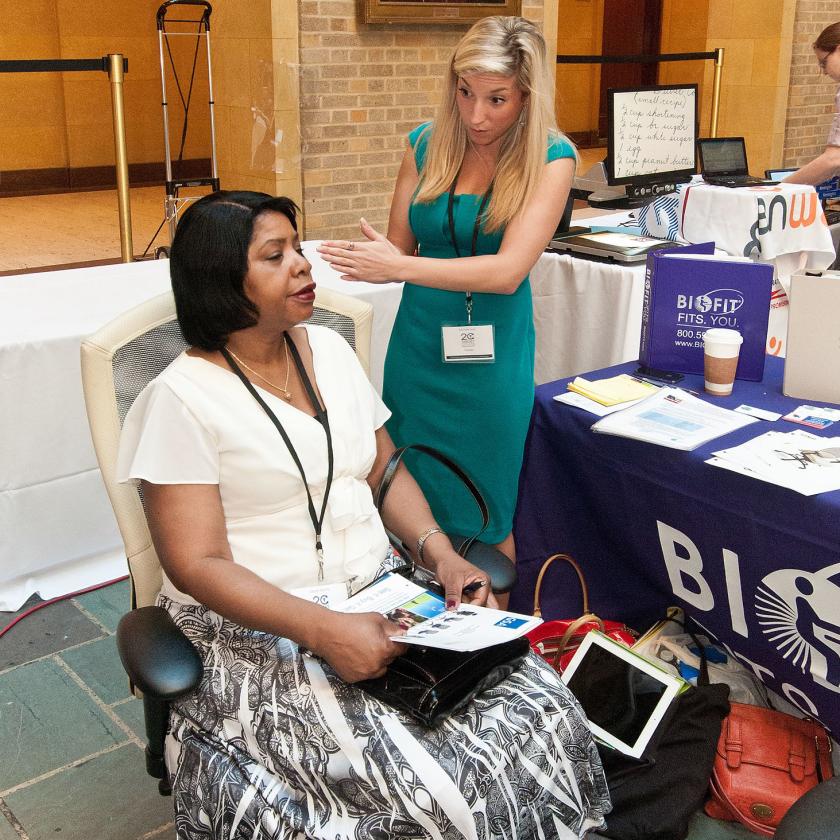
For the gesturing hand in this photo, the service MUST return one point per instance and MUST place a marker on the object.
(374, 261)
(357, 645)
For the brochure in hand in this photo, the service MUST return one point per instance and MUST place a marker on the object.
(427, 622)
(689, 290)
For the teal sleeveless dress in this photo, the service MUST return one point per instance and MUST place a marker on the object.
(477, 414)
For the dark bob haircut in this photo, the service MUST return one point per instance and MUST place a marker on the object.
(209, 260)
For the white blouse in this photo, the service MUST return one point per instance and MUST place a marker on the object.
(196, 423)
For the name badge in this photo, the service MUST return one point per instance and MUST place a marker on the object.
(327, 594)
(468, 343)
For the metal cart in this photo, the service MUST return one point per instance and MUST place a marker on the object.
(174, 201)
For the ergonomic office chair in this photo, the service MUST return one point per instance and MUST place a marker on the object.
(813, 815)
(117, 363)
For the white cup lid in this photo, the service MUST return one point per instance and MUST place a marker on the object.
(723, 336)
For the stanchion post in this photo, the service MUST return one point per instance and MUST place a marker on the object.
(716, 91)
(115, 74)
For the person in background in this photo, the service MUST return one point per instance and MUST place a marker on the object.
(256, 533)
(478, 196)
(827, 165)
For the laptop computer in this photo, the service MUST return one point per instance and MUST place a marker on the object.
(611, 245)
(723, 162)
(812, 358)
(565, 228)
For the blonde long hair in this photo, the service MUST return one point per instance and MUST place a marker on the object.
(500, 46)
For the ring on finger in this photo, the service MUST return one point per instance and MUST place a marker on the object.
(351, 246)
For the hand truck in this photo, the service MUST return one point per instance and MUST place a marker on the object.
(174, 202)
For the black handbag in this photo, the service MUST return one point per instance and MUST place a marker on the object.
(391, 470)
(431, 683)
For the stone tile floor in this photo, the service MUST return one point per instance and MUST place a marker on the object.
(71, 735)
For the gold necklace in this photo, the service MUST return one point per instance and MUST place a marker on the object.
(488, 170)
(287, 394)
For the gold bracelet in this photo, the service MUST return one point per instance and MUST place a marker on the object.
(422, 541)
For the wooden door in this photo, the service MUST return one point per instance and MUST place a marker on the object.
(631, 27)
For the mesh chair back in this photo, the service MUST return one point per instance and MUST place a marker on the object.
(122, 358)
(141, 359)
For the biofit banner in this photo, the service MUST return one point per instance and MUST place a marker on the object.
(690, 290)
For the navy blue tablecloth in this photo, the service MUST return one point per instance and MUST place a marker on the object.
(756, 565)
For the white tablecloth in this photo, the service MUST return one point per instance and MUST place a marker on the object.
(783, 224)
(58, 531)
(587, 314)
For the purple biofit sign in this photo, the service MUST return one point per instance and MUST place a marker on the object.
(690, 290)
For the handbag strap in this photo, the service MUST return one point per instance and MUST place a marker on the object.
(583, 587)
(720, 794)
(574, 627)
(390, 472)
(824, 764)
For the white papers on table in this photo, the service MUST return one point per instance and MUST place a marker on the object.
(673, 418)
(760, 413)
(798, 460)
(579, 401)
(429, 623)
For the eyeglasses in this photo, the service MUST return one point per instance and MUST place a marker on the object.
(822, 62)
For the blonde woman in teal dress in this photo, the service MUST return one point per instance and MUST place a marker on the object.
(494, 171)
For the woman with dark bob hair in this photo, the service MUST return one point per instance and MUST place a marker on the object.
(257, 535)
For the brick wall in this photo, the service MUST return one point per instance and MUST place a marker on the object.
(363, 88)
(811, 99)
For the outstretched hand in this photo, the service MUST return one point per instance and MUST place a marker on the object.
(358, 645)
(374, 259)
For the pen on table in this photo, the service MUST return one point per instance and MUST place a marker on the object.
(663, 384)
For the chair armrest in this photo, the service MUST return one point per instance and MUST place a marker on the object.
(156, 655)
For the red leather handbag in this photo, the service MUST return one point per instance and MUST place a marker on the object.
(765, 761)
(558, 639)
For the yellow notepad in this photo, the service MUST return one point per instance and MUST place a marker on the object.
(614, 390)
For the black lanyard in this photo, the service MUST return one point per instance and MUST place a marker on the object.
(321, 417)
(451, 217)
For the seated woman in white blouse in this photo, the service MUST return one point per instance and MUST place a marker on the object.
(253, 528)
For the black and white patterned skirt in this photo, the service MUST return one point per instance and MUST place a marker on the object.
(274, 746)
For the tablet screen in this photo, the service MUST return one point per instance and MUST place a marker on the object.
(615, 694)
(623, 695)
